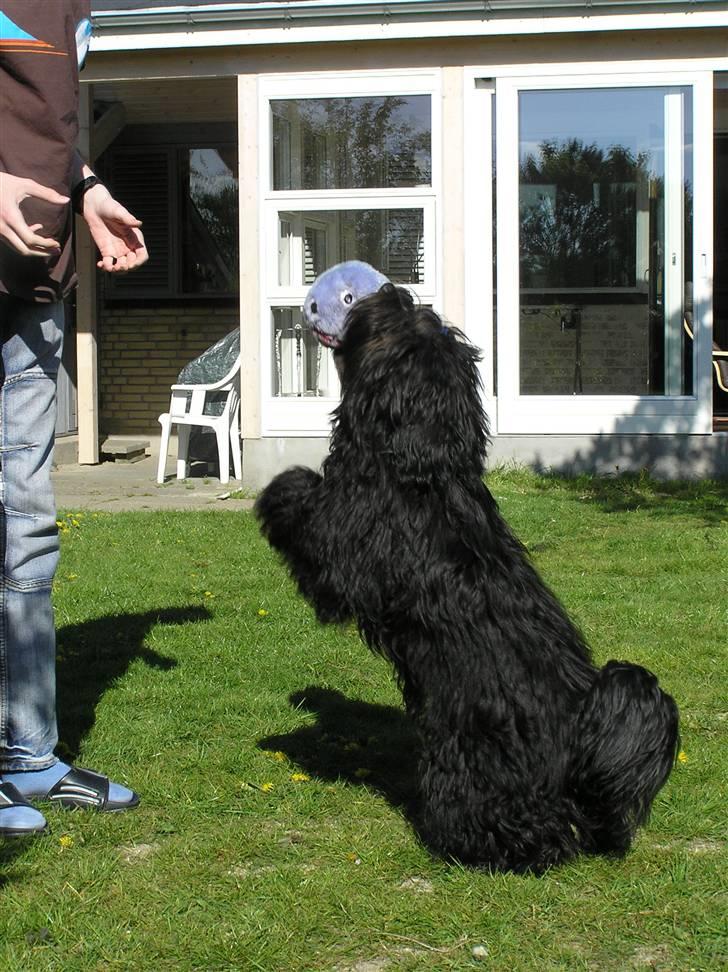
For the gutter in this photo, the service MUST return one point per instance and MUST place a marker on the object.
(289, 13)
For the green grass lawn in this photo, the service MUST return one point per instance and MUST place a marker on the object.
(276, 768)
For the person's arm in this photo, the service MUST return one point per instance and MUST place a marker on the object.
(14, 230)
(115, 231)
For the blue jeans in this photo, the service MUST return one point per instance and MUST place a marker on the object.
(32, 341)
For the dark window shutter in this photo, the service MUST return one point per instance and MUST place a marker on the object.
(141, 179)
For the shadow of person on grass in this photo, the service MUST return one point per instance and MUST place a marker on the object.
(357, 742)
(92, 655)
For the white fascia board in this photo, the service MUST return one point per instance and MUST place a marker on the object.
(423, 28)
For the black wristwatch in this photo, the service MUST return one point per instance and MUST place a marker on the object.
(80, 191)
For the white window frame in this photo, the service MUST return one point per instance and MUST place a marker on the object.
(581, 414)
(293, 416)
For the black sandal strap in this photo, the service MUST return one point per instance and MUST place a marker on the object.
(81, 788)
(10, 796)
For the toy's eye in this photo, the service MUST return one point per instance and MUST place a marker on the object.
(348, 298)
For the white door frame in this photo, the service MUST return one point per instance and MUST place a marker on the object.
(566, 414)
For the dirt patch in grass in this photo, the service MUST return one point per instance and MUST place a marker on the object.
(699, 845)
(652, 957)
(418, 885)
(134, 853)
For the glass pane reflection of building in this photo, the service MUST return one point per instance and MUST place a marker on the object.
(389, 239)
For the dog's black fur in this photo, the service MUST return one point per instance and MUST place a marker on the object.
(531, 754)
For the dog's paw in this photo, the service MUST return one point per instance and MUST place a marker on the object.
(280, 506)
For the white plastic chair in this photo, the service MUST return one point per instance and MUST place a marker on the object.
(187, 408)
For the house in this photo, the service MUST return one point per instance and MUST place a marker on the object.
(551, 177)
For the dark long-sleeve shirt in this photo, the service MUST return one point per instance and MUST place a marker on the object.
(38, 132)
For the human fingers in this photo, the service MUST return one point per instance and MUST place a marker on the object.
(106, 263)
(111, 209)
(23, 238)
(32, 188)
(29, 235)
(135, 248)
(138, 249)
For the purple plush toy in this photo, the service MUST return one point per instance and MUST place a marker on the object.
(332, 295)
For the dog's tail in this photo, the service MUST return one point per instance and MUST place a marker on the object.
(625, 743)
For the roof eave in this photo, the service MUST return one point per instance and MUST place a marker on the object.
(293, 12)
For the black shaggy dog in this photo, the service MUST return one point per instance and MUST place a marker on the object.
(530, 754)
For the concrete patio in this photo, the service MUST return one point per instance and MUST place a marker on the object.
(119, 485)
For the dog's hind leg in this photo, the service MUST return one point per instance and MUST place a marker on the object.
(477, 811)
(625, 742)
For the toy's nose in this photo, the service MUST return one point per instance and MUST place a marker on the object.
(314, 307)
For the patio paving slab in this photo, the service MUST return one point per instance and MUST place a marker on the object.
(116, 486)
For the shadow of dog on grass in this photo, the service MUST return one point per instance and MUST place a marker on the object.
(354, 742)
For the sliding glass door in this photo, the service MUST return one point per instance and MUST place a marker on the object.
(602, 248)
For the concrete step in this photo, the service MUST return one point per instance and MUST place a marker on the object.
(119, 449)
(65, 450)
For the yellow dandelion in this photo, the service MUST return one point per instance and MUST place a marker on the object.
(60, 524)
(266, 787)
(65, 840)
(209, 594)
(300, 777)
(262, 613)
(682, 756)
(71, 576)
(278, 756)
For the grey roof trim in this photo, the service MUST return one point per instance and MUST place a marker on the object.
(269, 13)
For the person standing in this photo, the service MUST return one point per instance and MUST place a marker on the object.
(43, 181)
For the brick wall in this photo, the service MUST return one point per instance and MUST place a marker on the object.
(141, 352)
(614, 351)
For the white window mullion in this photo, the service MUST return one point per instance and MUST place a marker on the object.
(507, 270)
(478, 122)
(674, 241)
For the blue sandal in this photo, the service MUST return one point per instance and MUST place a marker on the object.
(11, 798)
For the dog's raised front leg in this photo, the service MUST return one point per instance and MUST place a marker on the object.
(291, 511)
(283, 508)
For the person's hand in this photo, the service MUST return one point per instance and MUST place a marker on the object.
(114, 230)
(13, 228)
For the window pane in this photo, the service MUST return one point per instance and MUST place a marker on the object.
(352, 143)
(210, 220)
(390, 239)
(302, 368)
(605, 207)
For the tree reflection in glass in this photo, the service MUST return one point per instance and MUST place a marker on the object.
(352, 143)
